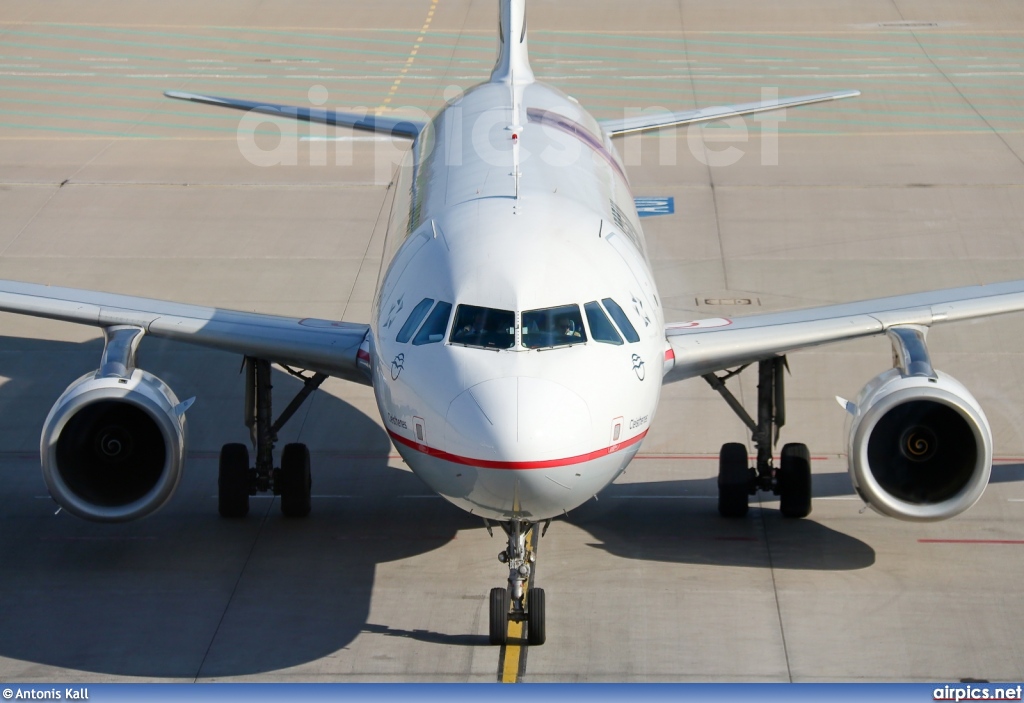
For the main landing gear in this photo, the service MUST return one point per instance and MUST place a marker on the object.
(520, 601)
(237, 480)
(737, 480)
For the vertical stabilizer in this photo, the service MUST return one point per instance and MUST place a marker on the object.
(513, 64)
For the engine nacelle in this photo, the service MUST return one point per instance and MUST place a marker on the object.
(920, 446)
(113, 446)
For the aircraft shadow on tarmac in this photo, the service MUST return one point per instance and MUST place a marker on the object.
(678, 521)
(430, 637)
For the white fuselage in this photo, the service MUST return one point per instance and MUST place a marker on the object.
(508, 426)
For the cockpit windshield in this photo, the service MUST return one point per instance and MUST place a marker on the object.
(553, 327)
(484, 327)
(562, 326)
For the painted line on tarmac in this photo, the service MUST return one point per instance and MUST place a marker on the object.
(662, 497)
(411, 58)
(971, 541)
(512, 663)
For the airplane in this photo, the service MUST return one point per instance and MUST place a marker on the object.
(517, 345)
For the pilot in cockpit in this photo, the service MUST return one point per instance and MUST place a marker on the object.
(568, 327)
(472, 327)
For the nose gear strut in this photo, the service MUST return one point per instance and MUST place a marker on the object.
(520, 601)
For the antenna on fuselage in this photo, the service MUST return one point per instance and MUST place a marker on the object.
(515, 157)
(513, 68)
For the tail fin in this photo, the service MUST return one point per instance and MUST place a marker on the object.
(513, 65)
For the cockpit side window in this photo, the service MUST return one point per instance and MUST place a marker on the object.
(621, 320)
(601, 328)
(553, 327)
(433, 329)
(484, 327)
(415, 318)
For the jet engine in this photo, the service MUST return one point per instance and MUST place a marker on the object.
(113, 445)
(920, 446)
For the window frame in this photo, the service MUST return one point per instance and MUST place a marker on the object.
(583, 336)
(612, 314)
(416, 342)
(618, 341)
(478, 335)
(415, 325)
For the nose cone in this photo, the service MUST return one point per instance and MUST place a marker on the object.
(518, 419)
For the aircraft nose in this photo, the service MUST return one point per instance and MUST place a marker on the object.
(518, 419)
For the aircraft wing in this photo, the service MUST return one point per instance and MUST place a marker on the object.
(704, 346)
(326, 346)
(395, 126)
(641, 123)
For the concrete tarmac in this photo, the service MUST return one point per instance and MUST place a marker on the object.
(915, 185)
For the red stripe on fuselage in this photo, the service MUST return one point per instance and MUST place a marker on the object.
(515, 465)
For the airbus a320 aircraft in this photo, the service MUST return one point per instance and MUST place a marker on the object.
(517, 345)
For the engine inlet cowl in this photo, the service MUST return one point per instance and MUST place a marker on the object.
(112, 448)
(920, 448)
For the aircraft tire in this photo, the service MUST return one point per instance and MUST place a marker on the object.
(535, 631)
(233, 481)
(733, 480)
(795, 481)
(499, 616)
(296, 481)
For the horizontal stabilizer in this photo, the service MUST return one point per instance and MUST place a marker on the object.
(675, 119)
(395, 126)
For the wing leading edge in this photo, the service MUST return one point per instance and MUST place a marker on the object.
(705, 346)
(641, 123)
(395, 126)
(326, 346)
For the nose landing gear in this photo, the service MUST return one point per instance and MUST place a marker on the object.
(520, 601)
